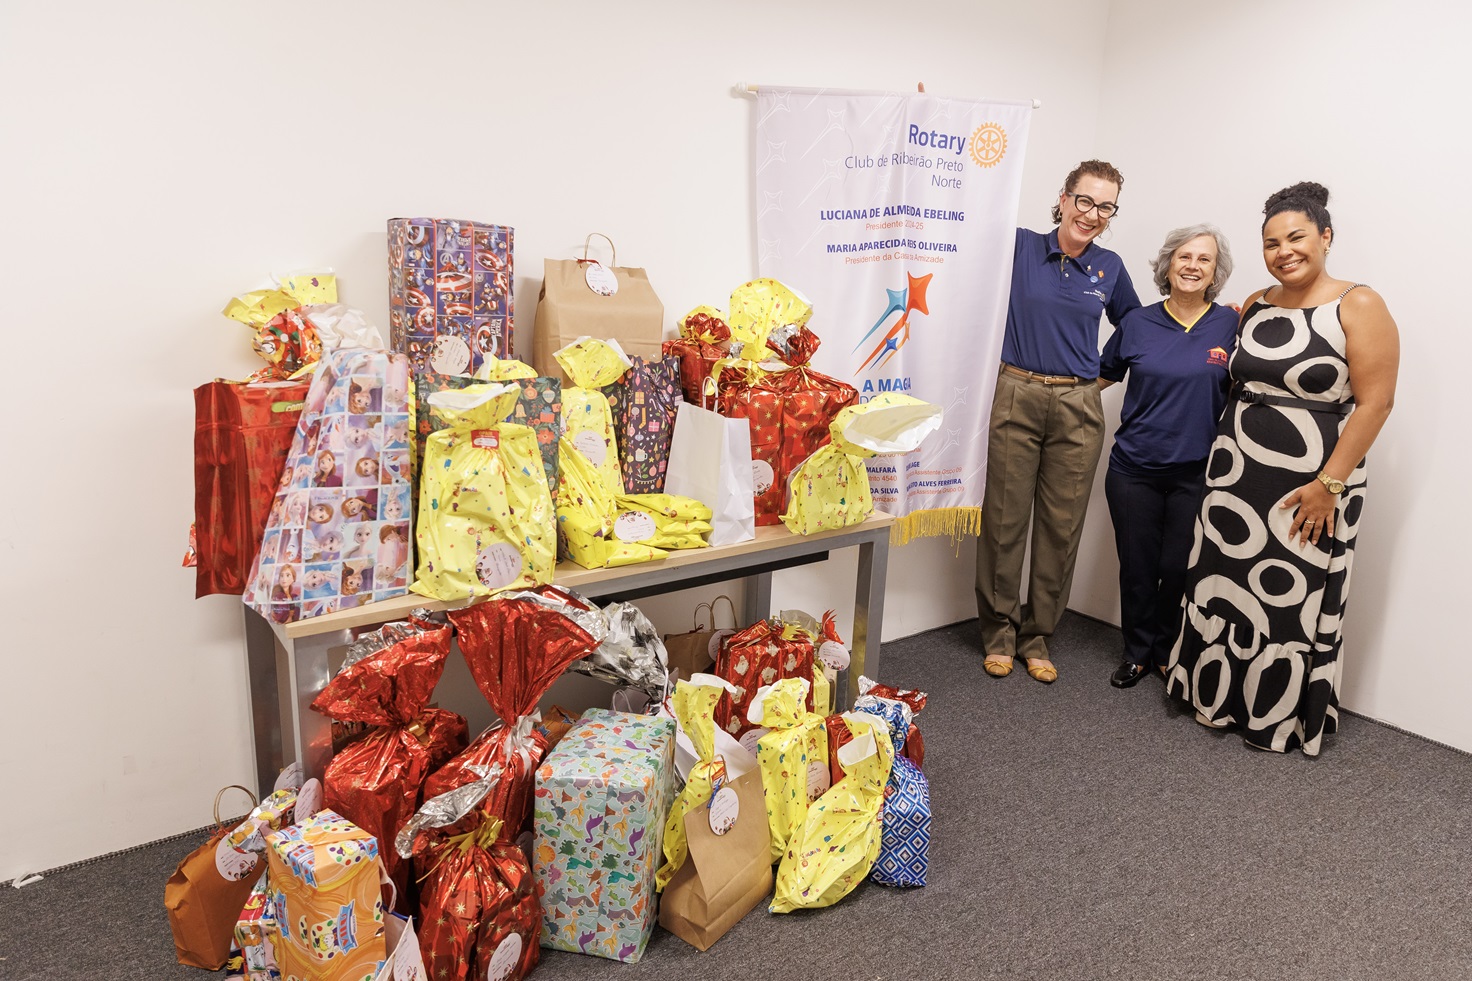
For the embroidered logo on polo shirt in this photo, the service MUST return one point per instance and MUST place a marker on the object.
(1217, 356)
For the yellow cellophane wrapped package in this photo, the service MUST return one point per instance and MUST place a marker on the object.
(503, 370)
(822, 690)
(758, 308)
(587, 516)
(587, 421)
(486, 520)
(694, 705)
(793, 756)
(323, 881)
(839, 839)
(673, 521)
(830, 489)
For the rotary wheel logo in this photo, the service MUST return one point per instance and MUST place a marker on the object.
(988, 145)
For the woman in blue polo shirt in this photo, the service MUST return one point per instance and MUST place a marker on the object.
(1175, 353)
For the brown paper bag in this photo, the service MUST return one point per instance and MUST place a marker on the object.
(203, 903)
(725, 875)
(694, 652)
(569, 308)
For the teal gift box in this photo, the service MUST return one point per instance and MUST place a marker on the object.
(602, 799)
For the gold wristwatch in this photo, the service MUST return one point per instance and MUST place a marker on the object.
(1334, 486)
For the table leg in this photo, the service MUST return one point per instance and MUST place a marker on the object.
(311, 731)
(758, 604)
(263, 665)
(868, 613)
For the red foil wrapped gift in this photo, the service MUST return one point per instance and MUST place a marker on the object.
(478, 911)
(516, 647)
(704, 339)
(376, 782)
(914, 748)
(790, 411)
(763, 653)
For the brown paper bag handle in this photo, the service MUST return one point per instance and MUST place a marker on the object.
(611, 247)
(234, 786)
(711, 607)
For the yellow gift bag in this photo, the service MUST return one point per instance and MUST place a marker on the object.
(323, 886)
(503, 370)
(694, 704)
(830, 489)
(664, 520)
(587, 516)
(486, 521)
(758, 308)
(793, 756)
(839, 839)
(587, 421)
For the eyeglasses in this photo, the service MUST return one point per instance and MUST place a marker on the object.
(1086, 204)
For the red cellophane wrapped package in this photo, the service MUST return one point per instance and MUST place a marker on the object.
(478, 910)
(763, 653)
(914, 749)
(516, 647)
(704, 339)
(790, 411)
(376, 782)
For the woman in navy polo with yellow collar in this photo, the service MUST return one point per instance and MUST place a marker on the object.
(1175, 353)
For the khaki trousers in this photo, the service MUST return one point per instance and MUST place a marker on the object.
(1042, 451)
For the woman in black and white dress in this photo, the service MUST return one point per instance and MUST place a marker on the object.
(1313, 381)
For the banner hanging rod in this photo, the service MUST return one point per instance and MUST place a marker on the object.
(746, 88)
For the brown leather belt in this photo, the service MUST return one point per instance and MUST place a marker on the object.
(1044, 379)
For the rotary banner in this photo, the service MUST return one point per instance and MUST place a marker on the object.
(895, 215)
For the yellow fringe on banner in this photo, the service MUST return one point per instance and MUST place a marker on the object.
(954, 523)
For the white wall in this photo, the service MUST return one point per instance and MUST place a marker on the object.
(162, 156)
(1207, 109)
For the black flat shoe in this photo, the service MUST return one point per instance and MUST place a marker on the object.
(1127, 675)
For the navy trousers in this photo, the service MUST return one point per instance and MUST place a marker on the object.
(1154, 521)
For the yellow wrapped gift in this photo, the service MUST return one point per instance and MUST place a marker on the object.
(587, 516)
(486, 520)
(694, 705)
(587, 421)
(839, 839)
(793, 756)
(323, 878)
(664, 520)
(830, 489)
(503, 370)
(822, 689)
(760, 307)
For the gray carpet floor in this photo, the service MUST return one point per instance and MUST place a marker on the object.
(1080, 833)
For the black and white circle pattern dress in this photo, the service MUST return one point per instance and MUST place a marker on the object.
(1259, 645)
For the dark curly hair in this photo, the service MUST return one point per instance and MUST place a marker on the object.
(1306, 198)
(1089, 168)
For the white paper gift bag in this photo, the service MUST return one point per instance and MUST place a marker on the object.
(710, 460)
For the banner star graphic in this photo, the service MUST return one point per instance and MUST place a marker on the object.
(771, 201)
(776, 153)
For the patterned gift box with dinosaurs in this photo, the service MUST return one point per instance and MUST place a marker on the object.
(601, 802)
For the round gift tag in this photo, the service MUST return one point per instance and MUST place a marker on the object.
(290, 777)
(714, 647)
(449, 355)
(308, 800)
(819, 780)
(762, 476)
(750, 738)
(505, 959)
(834, 655)
(232, 863)
(591, 445)
(633, 526)
(600, 278)
(498, 565)
(725, 807)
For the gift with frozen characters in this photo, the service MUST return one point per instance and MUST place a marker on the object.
(338, 534)
(450, 292)
(830, 489)
(253, 928)
(516, 646)
(376, 782)
(838, 842)
(478, 911)
(486, 521)
(602, 798)
(324, 878)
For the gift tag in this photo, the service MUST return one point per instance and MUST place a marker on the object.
(833, 654)
(725, 807)
(308, 801)
(714, 647)
(590, 444)
(600, 278)
(751, 737)
(449, 355)
(498, 566)
(819, 779)
(633, 526)
(762, 476)
(232, 863)
(505, 960)
(486, 439)
(291, 777)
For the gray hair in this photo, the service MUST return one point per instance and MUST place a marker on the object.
(1160, 265)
